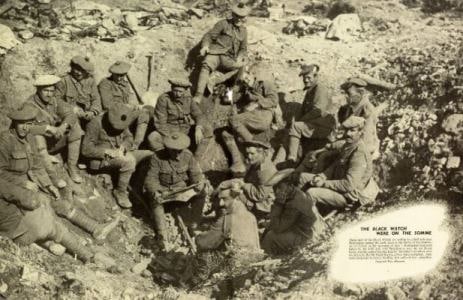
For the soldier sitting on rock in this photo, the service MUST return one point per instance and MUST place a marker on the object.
(257, 116)
(116, 89)
(21, 165)
(171, 169)
(349, 180)
(57, 124)
(176, 112)
(79, 89)
(358, 104)
(224, 47)
(236, 228)
(315, 120)
(257, 196)
(294, 219)
(109, 144)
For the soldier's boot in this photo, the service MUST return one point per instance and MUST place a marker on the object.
(243, 132)
(237, 167)
(55, 248)
(201, 86)
(121, 193)
(140, 134)
(72, 243)
(98, 231)
(160, 224)
(73, 157)
(293, 148)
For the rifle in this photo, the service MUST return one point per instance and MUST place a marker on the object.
(167, 197)
(140, 101)
(186, 235)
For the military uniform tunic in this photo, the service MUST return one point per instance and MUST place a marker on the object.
(237, 228)
(258, 194)
(83, 94)
(166, 173)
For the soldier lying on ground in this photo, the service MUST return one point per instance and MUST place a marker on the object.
(177, 112)
(294, 219)
(21, 165)
(348, 181)
(57, 123)
(172, 168)
(78, 88)
(224, 48)
(109, 144)
(261, 98)
(315, 120)
(26, 217)
(236, 228)
(359, 105)
(116, 89)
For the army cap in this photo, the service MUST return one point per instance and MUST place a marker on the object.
(46, 80)
(120, 116)
(306, 69)
(179, 81)
(279, 176)
(83, 62)
(25, 113)
(353, 122)
(120, 67)
(241, 10)
(177, 141)
(257, 143)
(353, 81)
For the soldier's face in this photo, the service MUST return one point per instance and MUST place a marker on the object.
(226, 200)
(173, 153)
(78, 73)
(355, 95)
(22, 128)
(238, 21)
(178, 92)
(255, 156)
(118, 77)
(310, 79)
(353, 134)
(46, 93)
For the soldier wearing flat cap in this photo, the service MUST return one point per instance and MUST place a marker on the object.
(224, 47)
(315, 120)
(257, 196)
(173, 168)
(176, 112)
(108, 143)
(79, 89)
(294, 219)
(117, 89)
(22, 166)
(349, 180)
(358, 104)
(56, 123)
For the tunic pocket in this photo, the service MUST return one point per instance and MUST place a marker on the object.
(19, 161)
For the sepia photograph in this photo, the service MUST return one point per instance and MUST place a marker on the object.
(231, 149)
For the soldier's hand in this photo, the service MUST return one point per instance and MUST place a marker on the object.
(199, 135)
(31, 186)
(199, 187)
(54, 191)
(51, 131)
(61, 130)
(251, 106)
(318, 181)
(88, 115)
(204, 50)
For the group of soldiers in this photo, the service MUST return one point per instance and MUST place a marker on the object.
(117, 138)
